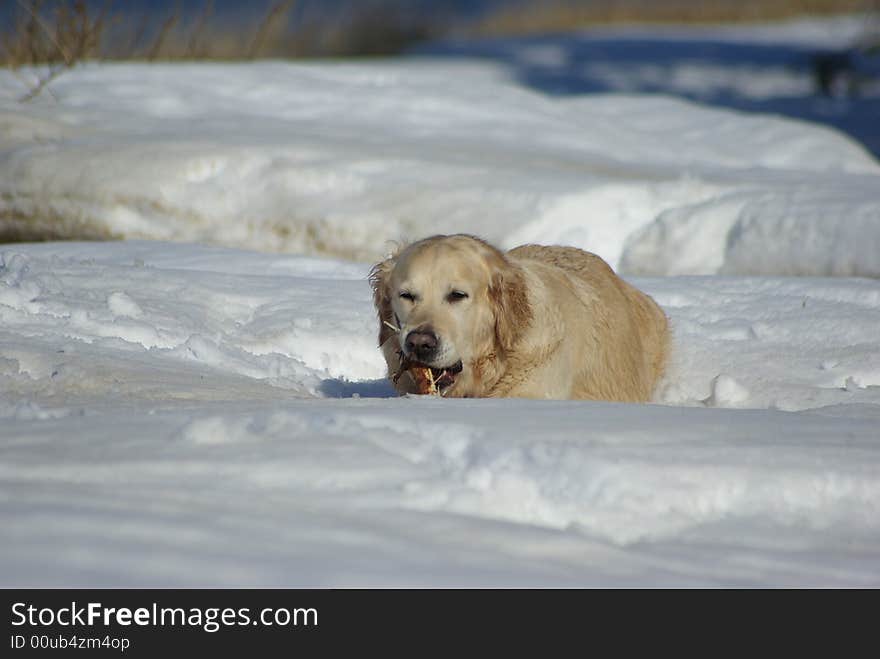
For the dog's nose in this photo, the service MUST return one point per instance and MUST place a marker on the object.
(422, 342)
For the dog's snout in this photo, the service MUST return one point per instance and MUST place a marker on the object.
(422, 342)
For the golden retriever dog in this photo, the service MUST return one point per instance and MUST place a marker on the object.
(534, 322)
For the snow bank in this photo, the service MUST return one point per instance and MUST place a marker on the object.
(341, 158)
(72, 314)
(182, 415)
(185, 415)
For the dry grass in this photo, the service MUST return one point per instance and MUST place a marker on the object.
(563, 15)
(60, 33)
(64, 31)
(72, 33)
(52, 33)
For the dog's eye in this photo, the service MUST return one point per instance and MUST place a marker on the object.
(406, 295)
(457, 296)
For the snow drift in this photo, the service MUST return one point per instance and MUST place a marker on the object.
(340, 158)
(183, 415)
(174, 414)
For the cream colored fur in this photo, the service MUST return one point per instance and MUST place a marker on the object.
(538, 322)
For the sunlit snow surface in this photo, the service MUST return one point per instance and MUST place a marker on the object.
(338, 158)
(174, 414)
(183, 415)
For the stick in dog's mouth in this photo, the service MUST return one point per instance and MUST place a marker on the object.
(445, 377)
(429, 380)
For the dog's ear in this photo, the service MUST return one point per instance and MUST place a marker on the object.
(380, 275)
(510, 302)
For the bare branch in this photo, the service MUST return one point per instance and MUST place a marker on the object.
(68, 60)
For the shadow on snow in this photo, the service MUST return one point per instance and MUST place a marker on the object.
(837, 88)
(337, 388)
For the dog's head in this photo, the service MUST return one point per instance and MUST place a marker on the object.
(454, 304)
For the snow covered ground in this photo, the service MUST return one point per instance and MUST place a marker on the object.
(772, 68)
(337, 158)
(175, 413)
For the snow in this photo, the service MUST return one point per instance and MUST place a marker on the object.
(769, 68)
(228, 423)
(338, 158)
(196, 410)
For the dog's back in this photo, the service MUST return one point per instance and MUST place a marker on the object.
(622, 333)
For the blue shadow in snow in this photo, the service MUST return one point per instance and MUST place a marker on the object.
(842, 90)
(336, 388)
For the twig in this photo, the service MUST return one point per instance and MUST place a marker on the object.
(196, 38)
(54, 72)
(74, 37)
(163, 34)
(278, 10)
(67, 58)
(41, 84)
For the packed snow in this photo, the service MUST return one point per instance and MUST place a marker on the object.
(176, 412)
(185, 415)
(336, 158)
(823, 70)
